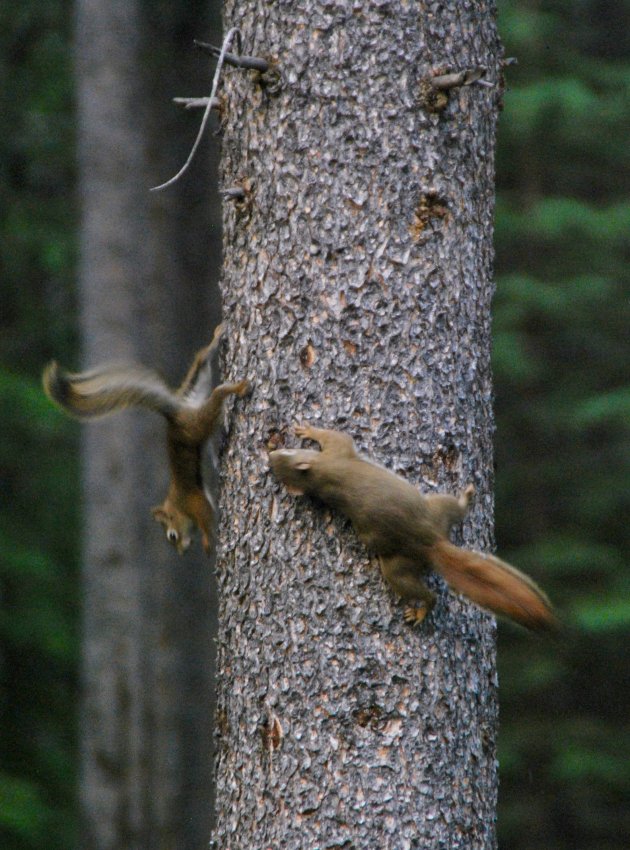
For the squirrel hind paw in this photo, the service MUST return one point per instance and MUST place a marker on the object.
(415, 614)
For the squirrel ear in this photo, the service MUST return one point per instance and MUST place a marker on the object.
(303, 465)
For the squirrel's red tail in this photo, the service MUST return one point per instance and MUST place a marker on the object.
(108, 388)
(495, 585)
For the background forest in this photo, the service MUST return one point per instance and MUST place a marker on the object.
(561, 355)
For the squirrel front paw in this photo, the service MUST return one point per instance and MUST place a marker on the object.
(467, 496)
(243, 388)
(218, 332)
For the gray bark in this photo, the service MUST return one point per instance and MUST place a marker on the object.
(145, 267)
(356, 287)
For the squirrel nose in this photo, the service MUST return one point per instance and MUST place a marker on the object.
(183, 545)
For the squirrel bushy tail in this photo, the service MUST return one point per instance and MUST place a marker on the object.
(107, 389)
(493, 584)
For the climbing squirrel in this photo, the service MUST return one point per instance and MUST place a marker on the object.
(408, 531)
(191, 416)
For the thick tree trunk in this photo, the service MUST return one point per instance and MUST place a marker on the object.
(144, 280)
(357, 287)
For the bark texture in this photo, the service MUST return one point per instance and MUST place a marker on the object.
(357, 288)
(144, 286)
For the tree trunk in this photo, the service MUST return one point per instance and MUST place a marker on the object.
(144, 274)
(356, 288)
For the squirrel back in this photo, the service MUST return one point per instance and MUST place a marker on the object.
(107, 389)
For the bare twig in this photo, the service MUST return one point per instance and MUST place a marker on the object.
(197, 102)
(460, 78)
(234, 193)
(252, 63)
(215, 83)
(434, 91)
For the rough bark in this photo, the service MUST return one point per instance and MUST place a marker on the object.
(144, 278)
(356, 287)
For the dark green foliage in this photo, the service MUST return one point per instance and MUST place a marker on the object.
(38, 472)
(562, 349)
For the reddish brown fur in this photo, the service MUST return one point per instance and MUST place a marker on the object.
(112, 388)
(408, 531)
(493, 584)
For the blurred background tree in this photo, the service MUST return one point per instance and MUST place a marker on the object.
(562, 349)
(92, 82)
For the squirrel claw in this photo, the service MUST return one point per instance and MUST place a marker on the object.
(414, 615)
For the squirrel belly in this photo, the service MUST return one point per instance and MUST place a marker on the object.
(407, 530)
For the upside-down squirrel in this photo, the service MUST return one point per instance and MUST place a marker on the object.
(191, 415)
(408, 531)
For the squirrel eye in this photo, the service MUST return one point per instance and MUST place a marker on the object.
(172, 536)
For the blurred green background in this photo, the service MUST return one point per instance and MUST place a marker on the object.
(561, 359)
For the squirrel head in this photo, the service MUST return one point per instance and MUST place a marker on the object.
(294, 468)
(177, 526)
